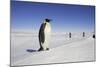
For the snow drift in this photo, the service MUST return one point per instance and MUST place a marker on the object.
(62, 49)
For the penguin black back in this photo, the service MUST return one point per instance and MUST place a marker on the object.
(41, 33)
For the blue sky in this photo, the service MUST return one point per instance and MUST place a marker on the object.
(65, 18)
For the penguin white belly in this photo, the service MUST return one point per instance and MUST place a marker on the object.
(47, 32)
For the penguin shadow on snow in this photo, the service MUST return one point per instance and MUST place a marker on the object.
(31, 50)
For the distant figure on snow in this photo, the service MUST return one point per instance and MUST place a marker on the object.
(93, 35)
(44, 35)
(83, 34)
(70, 34)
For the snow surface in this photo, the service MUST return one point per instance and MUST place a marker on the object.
(62, 48)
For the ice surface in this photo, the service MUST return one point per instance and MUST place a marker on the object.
(62, 48)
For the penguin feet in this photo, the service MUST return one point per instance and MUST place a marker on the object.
(41, 49)
(47, 48)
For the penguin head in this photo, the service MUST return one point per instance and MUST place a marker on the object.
(47, 20)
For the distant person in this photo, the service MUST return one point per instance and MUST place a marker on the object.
(83, 34)
(44, 35)
(70, 34)
(93, 35)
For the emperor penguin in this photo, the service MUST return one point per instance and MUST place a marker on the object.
(44, 35)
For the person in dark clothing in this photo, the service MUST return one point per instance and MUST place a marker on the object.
(70, 34)
(83, 34)
(93, 36)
